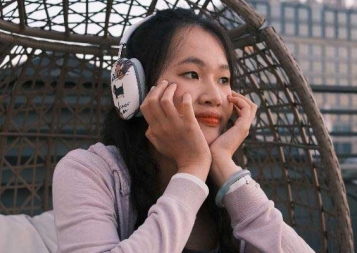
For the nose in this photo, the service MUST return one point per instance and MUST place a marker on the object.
(211, 94)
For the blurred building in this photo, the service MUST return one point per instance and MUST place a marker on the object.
(322, 36)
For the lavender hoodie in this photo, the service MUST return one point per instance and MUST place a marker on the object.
(93, 211)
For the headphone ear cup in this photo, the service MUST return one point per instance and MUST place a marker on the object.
(140, 77)
(128, 86)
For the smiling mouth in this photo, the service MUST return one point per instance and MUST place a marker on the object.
(209, 121)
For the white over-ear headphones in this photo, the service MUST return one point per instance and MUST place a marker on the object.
(128, 80)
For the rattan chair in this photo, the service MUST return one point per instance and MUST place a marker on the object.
(54, 92)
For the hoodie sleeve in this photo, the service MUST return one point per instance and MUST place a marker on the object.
(256, 221)
(85, 215)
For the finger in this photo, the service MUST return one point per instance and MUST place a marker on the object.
(240, 96)
(158, 90)
(243, 121)
(245, 117)
(253, 107)
(167, 102)
(250, 102)
(241, 127)
(236, 110)
(242, 105)
(253, 112)
(151, 108)
(149, 134)
(236, 94)
(187, 108)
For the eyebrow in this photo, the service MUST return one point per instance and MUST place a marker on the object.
(197, 61)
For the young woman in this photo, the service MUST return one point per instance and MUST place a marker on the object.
(143, 188)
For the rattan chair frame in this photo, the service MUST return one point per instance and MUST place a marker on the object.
(66, 120)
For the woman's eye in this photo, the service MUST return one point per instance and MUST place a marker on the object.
(191, 75)
(224, 80)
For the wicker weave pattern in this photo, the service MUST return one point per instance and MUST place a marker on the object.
(54, 92)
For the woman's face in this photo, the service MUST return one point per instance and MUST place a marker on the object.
(199, 67)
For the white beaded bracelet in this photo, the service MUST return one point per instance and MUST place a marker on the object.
(225, 187)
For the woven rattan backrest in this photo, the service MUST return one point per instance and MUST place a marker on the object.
(54, 93)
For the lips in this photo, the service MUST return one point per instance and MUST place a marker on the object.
(209, 119)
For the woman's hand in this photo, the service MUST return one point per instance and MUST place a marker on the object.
(223, 148)
(176, 134)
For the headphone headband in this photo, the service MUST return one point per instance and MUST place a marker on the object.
(124, 39)
(128, 80)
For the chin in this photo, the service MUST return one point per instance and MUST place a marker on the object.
(210, 140)
(211, 137)
(210, 133)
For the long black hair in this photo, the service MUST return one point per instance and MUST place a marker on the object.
(150, 44)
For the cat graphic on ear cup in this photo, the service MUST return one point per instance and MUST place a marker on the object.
(128, 86)
(128, 80)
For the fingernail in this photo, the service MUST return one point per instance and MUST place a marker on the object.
(164, 81)
(152, 87)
